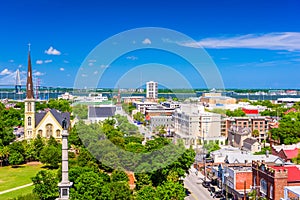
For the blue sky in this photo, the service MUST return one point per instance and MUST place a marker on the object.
(254, 44)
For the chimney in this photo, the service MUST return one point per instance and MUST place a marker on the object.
(267, 153)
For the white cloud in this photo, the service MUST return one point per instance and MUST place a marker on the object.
(131, 57)
(146, 41)
(289, 41)
(92, 61)
(96, 72)
(5, 72)
(52, 51)
(91, 64)
(83, 75)
(11, 61)
(38, 73)
(65, 61)
(39, 62)
(62, 69)
(48, 61)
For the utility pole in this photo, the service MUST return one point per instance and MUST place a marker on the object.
(204, 157)
(245, 196)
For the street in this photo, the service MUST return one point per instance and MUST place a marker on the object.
(194, 184)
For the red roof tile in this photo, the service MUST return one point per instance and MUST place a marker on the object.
(293, 172)
(291, 153)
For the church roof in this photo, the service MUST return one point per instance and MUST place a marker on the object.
(29, 84)
(59, 116)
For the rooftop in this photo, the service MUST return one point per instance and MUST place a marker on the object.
(293, 172)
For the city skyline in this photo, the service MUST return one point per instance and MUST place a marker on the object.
(254, 44)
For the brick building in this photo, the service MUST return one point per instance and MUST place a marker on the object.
(237, 180)
(253, 123)
(270, 180)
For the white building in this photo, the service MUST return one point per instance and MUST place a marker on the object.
(141, 106)
(152, 90)
(192, 123)
(93, 98)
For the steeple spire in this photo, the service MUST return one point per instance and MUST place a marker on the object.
(29, 85)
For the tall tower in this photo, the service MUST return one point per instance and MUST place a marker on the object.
(151, 90)
(29, 123)
(65, 184)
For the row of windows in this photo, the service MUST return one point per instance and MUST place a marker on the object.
(49, 130)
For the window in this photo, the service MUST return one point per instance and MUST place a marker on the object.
(40, 132)
(57, 133)
(254, 181)
(29, 121)
(271, 192)
(29, 107)
(49, 130)
(263, 186)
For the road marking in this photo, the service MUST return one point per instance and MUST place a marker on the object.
(192, 194)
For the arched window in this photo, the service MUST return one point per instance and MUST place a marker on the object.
(49, 130)
(29, 107)
(263, 186)
(40, 132)
(29, 121)
(57, 133)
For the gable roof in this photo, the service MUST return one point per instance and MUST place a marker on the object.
(291, 153)
(105, 111)
(59, 116)
(250, 141)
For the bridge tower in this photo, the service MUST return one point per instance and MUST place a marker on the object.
(18, 82)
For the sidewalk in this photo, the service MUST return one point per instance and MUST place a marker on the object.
(16, 188)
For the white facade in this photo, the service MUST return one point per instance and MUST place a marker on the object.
(210, 125)
(192, 122)
(152, 90)
(141, 106)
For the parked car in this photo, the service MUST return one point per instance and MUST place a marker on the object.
(212, 189)
(218, 194)
(205, 184)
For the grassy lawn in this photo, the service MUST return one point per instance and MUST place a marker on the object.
(17, 193)
(14, 177)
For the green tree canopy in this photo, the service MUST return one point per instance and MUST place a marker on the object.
(235, 113)
(51, 155)
(289, 129)
(45, 185)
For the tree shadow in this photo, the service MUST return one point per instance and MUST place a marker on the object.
(50, 167)
(17, 166)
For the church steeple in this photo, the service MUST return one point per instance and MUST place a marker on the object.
(29, 122)
(29, 84)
